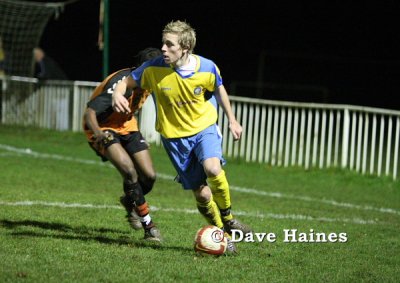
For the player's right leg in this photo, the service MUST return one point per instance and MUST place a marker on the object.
(145, 169)
(210, 211)
(207, 206)
(133, 200)
(138, 149)
(192, 176)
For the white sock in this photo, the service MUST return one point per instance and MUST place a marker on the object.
(146, 219)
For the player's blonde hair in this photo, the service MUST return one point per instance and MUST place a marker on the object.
(186, 34)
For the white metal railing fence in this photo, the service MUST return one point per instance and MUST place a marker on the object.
(279, 133)
(55, 105)
(308, 135)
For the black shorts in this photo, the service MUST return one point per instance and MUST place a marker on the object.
(132, 143)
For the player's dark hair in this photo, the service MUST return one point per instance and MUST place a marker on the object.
(147, 54)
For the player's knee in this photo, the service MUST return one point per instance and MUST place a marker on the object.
(130, 174)
(203, 194)
(134, 192)
(212, 171)
(147, 183)
(212, 167)
(151, 178)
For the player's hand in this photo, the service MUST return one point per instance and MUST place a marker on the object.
(120, 104)
(102, 138)
(235, 129)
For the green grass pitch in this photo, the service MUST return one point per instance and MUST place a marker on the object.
(60, 220)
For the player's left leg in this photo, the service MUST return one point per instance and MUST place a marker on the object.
(209, 152)
(220, 188)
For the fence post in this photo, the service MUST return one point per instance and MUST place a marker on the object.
(76, 115)
(345, 141)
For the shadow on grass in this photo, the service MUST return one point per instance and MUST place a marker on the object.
(82, 233)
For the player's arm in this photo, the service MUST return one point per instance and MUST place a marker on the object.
(92, 124)
(119, 103)
(223, 100)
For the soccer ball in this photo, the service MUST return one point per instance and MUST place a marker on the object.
(210, 240)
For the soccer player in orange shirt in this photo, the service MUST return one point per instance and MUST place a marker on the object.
(116, 137)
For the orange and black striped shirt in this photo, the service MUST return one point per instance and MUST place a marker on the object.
(101, 102)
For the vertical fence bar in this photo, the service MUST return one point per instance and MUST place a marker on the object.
(288, 137)
(256, 133)
(281, 136)
(365, 147)
(396, 148)
(373, 144)
(388, 146)
(330, 140)
(295, 136)
(345, 139)
(337, 139)
(380, 150)
(75, 108)
(308, 141)
(353, 140)
(268, 141)
(275, 136)
(315, 138)
(323, 133)
(262, 133)
(302, 137)
(359, 142)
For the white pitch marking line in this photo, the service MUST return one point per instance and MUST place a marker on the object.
(28, 151)
(190, 211)
(310, 199)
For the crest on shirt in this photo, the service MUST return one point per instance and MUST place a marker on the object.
(197, 90)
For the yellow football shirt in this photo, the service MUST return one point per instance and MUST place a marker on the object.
(182, 106)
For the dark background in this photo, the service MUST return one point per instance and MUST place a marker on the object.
(336, 52)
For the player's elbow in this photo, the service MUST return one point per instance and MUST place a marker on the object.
(129, 82)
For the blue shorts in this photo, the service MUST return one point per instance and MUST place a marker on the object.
(187, 155)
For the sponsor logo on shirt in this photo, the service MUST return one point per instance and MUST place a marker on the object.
(197, 90)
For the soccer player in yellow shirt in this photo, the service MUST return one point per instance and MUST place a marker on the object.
(181, 84)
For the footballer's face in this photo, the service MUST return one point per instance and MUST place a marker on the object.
(172, 51)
